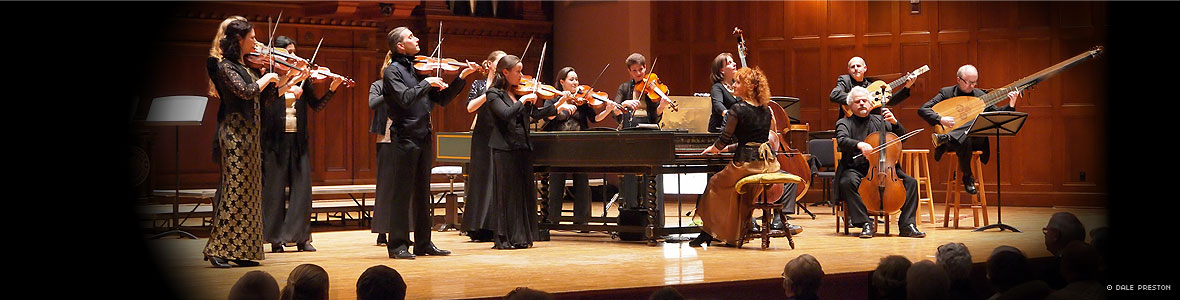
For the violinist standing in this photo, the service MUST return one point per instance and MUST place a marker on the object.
(379, 125)
(236, 234)
(641, 109)
(285, 162)
(409, 98)
(850, 133)
(513, 211)
(571, 117)
(638, 109)
(478, 198)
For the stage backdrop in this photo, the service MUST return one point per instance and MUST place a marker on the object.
(1058, 159)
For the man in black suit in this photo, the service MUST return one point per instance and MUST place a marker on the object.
(856, 77)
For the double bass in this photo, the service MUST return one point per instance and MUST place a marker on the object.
(790, 160)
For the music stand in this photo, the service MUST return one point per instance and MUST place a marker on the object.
(998, 124)
(176, 111)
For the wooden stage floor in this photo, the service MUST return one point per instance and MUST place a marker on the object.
(573, 262)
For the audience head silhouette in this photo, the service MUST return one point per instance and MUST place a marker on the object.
(255, 285)
(306, 282)
(380, 282)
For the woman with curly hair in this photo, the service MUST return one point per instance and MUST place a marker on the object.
(745, 133)
(237, 214)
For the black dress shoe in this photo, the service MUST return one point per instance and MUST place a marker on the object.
(776, 220)
(430, 249)
(218, 262)
(969, 185)
(938, 151)
(911, 231)
(381, 239)
(399, 252)
(276, 247)
(703, 238)
(245, 263)
(795, 229)
(305, 246)
(866, 231)
(754, 225)
(939, 139)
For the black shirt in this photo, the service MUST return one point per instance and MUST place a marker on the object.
(852, 130)
(845, 83)
(579, 120)
(511, 120)
(410, 99)
(745, 123)
(626, 90)
(722, 100)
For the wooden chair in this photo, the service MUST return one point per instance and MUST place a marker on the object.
(451, 220)
(954, 187)
(914, 162)
(758, 183)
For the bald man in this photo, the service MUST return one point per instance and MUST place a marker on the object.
(956, 140)
(855, 78)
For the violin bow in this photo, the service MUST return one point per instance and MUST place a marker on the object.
(317, 51)
(600, 75)
(537, 80)
(438, 71)
(271, 42)
(890, 143)
(526, 47)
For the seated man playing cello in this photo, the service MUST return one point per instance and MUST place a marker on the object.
(851, 132)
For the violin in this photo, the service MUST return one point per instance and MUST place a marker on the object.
(529, 85)
(655, 90)
(426, 64)
(261, 57)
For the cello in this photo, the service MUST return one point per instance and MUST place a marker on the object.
(881, 190)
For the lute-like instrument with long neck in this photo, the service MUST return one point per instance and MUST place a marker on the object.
(967, 108)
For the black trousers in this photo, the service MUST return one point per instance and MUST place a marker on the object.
(385, 179)
(963, 145)
(286, 219)
(581, 196)
(410, 192)
(787, 201)
(849, 181)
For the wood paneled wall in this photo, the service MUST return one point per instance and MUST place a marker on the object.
(1059, 156)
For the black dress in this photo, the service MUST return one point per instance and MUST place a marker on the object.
(722, 99)
(578, 121)
(513, 211)
(478, 199)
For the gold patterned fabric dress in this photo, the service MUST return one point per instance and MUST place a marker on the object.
(237, 212)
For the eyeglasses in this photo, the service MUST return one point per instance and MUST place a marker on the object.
(969, 82)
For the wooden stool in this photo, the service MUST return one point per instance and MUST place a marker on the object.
(914, 163)
(954, 185)
(758, 183)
